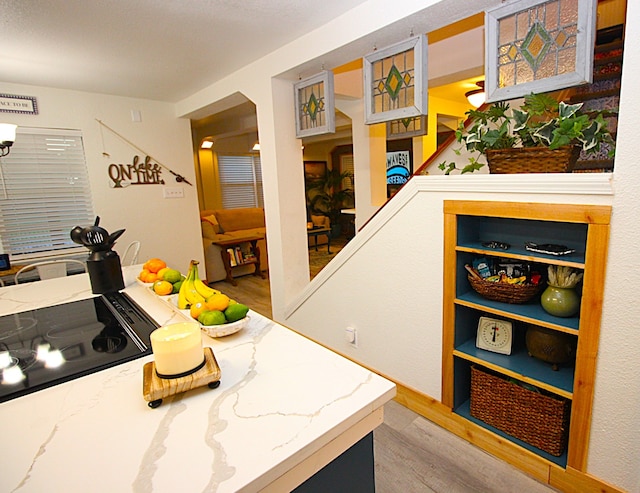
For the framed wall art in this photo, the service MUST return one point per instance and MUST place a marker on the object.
(315, 105)
(538, 46)
(314, 170)
(395, 81)
(12, 103)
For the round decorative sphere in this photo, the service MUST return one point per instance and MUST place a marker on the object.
(560, 302)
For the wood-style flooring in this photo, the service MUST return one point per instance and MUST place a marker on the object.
(251, 291)
(413, 455)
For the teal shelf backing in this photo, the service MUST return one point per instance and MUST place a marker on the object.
(531, 309)
(464, 410)
(473, 230)
(520, 362)
(577, 257)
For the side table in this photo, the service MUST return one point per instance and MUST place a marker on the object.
(315, 232)
(232, 244)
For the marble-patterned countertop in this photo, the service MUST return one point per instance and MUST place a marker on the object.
(284, 403)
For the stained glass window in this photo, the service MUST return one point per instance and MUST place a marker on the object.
(315, 110)
(407, 127)
(538, 46)
(396, 81)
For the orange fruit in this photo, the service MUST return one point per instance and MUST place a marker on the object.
(154, 265)
(162, 288)
(151, 277)
(196, 309)
(143, 275)
(217, 301)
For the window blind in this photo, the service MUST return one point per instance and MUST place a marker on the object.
(44, 193)
(240, 181)
(346, 165)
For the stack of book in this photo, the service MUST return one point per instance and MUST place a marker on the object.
(238, 257)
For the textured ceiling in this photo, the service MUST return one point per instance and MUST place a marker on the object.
(155, 49)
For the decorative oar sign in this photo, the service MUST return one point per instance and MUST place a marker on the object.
(146, 173)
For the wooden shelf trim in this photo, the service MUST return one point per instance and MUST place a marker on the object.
(586, 326)
(573, 213)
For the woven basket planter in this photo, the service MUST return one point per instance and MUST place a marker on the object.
(504, 292)
(537, 419)
(532, 160)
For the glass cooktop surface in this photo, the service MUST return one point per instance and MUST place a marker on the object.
(48, 346)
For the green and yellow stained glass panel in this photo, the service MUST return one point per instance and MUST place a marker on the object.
(395, 81)
(407, 127)
(315, 110)
(538, 46)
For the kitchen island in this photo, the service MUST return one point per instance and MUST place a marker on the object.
(285, 408)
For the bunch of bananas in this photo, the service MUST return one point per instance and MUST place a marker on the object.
(193, 289)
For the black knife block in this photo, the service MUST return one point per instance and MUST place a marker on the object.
(105, 272)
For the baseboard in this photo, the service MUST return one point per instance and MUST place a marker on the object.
(568, 480)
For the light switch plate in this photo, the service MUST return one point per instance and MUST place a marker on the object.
(173, 192)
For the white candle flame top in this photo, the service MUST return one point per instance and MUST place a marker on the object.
(177, 348)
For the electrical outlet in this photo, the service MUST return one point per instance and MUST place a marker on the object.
(173, 192)
(350, 336)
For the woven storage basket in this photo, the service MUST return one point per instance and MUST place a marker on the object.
(539, 420)
(532, 160)
(501, 291)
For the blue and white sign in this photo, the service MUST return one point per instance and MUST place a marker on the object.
(398, 167)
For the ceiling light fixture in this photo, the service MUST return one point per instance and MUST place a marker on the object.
(7, 137)
(256, 146)
(477, 97)
(206, 144)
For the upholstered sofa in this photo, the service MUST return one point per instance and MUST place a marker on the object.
(229, 224)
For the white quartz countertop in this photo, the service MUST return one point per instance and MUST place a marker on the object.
(283, 402)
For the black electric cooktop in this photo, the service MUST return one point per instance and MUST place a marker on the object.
(48, 346)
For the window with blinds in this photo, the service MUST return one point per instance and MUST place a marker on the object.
(44, 193)
(240, 181)
(346, 166)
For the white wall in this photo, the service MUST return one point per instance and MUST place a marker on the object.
(167, 228)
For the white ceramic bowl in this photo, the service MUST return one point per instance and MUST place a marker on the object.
(225, 329)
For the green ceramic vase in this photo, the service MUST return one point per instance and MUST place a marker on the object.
(560, 302)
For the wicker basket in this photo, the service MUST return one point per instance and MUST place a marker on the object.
(532, 160)
(540, 420)
(501, 291)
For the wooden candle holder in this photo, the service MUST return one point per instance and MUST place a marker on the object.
(154, 388)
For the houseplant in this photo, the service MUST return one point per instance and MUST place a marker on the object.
(541, 123)
(328, 195)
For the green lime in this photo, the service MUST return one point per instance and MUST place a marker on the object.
(176, 286)
(212, 317)
(172, 275)
(236, 312)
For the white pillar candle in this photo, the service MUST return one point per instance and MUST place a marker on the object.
(177, 348)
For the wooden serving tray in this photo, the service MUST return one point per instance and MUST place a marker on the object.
(154, 388)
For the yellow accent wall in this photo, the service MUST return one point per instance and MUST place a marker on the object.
(429, 143)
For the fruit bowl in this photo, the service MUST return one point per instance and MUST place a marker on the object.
(225, 329)
(211, 330)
